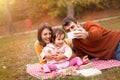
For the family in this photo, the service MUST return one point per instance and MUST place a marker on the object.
(91, 40)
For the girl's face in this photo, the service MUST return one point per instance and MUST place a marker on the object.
(46, 35)
(59, 40)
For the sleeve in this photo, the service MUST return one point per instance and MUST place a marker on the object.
(68, 52)
(78, 52)
(94, 30)
(38, 49)
(44, 52)
(68, 43)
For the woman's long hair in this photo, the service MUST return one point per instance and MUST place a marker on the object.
(39, 32)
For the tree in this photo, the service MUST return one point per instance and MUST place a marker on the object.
(62, 8)
(9, 17)
(70, 9)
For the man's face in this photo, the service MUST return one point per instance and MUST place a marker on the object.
(71, 27)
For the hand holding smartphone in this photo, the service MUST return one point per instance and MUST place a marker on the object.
(73, 34)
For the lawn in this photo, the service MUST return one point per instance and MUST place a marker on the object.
(17, 50)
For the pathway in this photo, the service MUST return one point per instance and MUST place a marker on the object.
(103, 19)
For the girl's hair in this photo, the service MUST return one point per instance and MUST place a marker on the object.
(40, 30)
(56, 33)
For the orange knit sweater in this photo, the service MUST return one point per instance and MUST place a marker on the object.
(101, 42)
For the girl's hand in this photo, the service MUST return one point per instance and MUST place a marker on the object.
(59, 57)
(48, 56)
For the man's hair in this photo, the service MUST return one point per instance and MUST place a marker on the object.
(66, 21)
(57, 32)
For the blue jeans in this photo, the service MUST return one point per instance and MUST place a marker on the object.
(117, 53)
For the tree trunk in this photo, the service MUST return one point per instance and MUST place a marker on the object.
(9, 18)
(70, 10)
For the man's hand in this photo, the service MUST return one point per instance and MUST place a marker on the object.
(86, 59)
(81, 33)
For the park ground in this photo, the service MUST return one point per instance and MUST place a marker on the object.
(16, 51)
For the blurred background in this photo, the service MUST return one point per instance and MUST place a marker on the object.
(25, 15)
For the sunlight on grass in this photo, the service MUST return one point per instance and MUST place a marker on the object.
(17, 50)
(10, 1)
(15, 53)
(111, 24)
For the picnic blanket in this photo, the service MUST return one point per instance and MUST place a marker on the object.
(36, 71)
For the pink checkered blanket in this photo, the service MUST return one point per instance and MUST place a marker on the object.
(36, 71)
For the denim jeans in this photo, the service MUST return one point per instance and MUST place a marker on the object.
(117, 53)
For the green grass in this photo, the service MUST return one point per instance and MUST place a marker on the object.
(17, 50)
(113, 24)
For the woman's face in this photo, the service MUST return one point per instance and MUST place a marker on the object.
(46, 35)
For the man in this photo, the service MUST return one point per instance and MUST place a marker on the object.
(93, 39)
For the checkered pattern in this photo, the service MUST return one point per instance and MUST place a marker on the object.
(36, 71)
(105, 64)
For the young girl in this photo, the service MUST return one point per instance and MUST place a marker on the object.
(60, 52)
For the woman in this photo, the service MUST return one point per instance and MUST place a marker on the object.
(44, 36)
